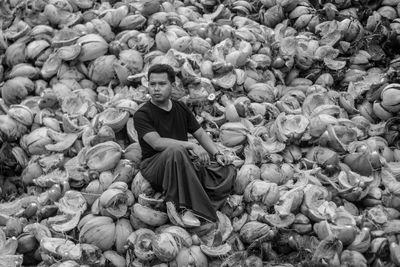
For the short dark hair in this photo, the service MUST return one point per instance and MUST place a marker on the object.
(162, 68)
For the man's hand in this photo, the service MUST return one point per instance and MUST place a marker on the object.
(202, 154)
(223, 159)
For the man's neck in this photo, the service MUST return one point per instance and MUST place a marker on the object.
(165, 106)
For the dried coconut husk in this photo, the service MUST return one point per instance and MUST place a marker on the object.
(314, 67)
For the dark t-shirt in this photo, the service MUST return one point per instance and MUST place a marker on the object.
(175, 124)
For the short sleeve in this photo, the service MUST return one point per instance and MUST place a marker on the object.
(193, 124)
(143, 123)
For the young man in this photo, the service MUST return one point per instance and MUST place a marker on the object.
(183, 170)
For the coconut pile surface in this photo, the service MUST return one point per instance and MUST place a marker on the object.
(303, 95)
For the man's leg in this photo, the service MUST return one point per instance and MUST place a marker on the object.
(173, 172)
(218, 182)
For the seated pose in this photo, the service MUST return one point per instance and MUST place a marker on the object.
(196, 178)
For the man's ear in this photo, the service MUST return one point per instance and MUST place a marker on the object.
(173, 84)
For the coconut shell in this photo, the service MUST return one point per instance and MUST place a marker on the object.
(253, 230)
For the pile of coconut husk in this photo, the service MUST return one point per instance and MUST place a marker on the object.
(303, 95)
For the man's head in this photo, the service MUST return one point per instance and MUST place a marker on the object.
(162, 68)
(161, 80)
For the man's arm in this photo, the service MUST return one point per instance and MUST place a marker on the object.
(209, 146)
(161, 143)
(205, 141)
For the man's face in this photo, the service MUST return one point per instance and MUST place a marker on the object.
(160, 87)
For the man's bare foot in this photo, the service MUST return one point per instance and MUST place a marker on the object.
(189, 219)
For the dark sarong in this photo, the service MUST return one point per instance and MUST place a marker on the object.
(203, 189)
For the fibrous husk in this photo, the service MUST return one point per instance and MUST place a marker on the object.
(123, 229)
(233, 134)
(261, 92)
(253, 230)
(72, 202)
(74, 105)
(56, 176)
(15, 54)
(113, 258)
(192, 255)
(64, 37)
(165, 247)
(60, 248)
(180, 233)
(22, 114)
(35, 142)
(312, 101)
(93, 46)
(114, 118)
(274, 173)
(141, 185)
(345, 233)
(357, 183)
(327, 250)
(389, 97)
(103, 156)
(64, 223)
(12, 260)
(77, 124)
(351, 257)
(315, 206)
(16, 89)
(39, 230)
(124, 171)
(133, 153)
(10, 129)
(323, 157)
(24, 70)
(150, 216)
(273, 16)
(220, 251)
(114, 202)
(91, 254)
(224, 226)
(360, 158)
(261, 191)
(62, 141)
(99, 231)
(101, 70)
(290, 127)
(51, 66)
(279, 221)
(140, 240)
(290, 201)
(362, 241)
(338, 137)
(246, 174)
(68, 53)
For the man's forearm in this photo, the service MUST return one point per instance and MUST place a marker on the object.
(164, 143)
(206, 142)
